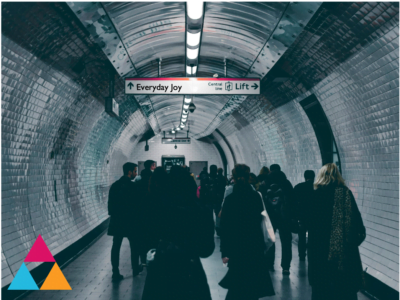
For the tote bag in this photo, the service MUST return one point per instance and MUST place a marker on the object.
(266, 226)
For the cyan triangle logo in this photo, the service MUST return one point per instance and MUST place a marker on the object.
(23, 280)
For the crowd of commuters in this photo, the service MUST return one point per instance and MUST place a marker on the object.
(167, 217)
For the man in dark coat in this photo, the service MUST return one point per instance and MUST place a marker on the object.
(280, 219)
(303, 193)
(124, 210)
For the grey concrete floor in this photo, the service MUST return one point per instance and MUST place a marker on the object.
(89, 275)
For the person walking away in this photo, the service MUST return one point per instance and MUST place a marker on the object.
(278, 198)
(124, 210)
(242, 242)
(303, 193)
(149, 166)
(262, 177)
(221, 184)
(183, 231)
(335, 230)
(253, 180)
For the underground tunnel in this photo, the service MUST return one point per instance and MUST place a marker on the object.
(298, 84)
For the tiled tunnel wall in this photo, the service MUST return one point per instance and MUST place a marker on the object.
(56, 137)
(361, 100)
(57, 141)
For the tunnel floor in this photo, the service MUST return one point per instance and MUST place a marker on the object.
(89, 275)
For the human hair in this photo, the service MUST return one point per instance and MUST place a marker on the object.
(148, 163)
(328, 174)
(264, 171)
(253, 178)
(220, 171)
(213, 169)
(129, 166)
(158, 180)
(309, 174)
(275, 167)
(241, 173)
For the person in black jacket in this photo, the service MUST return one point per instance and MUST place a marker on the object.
(303, 193)
(281, 215)
(124, 208)
(335, 230)
(242, 242)
(181, 231)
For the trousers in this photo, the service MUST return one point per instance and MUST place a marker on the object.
(286, 242)
(302, 244)
(136, 252)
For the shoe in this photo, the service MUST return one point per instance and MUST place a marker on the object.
(302, 259)
(285, 272)
(117, 277)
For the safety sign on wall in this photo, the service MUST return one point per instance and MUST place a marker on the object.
(192, 86)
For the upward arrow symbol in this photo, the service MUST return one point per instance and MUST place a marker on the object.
(130, 84)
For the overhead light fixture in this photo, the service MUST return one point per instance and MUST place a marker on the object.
(178, 129)
(184, 117)
(194, 9)
(182, 126)
(192, 53)
(173, 131)
(185, 112)
(185, 106)
(190, 69)
(188, 100)
(193, 39)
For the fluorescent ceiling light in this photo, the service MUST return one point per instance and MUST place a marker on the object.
(173, 131)
(189, 70)
(193, 39)
(188, 100)
(185, 106)
(182, 126)
(192, 53)
(194, 9)
(185, 112)
(184, 117)
(178, 129)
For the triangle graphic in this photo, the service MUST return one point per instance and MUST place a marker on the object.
(39, 252)
(23, 280)
(56, 280)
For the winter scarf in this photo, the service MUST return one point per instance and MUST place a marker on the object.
(341, 226)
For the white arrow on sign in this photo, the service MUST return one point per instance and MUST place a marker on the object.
(192, 86)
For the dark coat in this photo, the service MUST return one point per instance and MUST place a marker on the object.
(178, 274)
(242, 241)
(288, 208)
(124, 207)
(321, 272)
(303, 193)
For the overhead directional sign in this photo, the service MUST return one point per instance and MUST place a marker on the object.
(192, 86)
(175, 141)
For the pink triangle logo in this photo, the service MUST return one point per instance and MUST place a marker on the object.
(39, 252)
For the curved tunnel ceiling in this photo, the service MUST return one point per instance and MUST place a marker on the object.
(249, 37)
(61, 150)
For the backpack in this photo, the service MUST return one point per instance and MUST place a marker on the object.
(275, 198)
(209, 189)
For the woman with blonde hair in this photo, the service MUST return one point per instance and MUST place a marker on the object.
(335, 231)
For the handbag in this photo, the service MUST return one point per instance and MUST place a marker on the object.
(266, 226)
